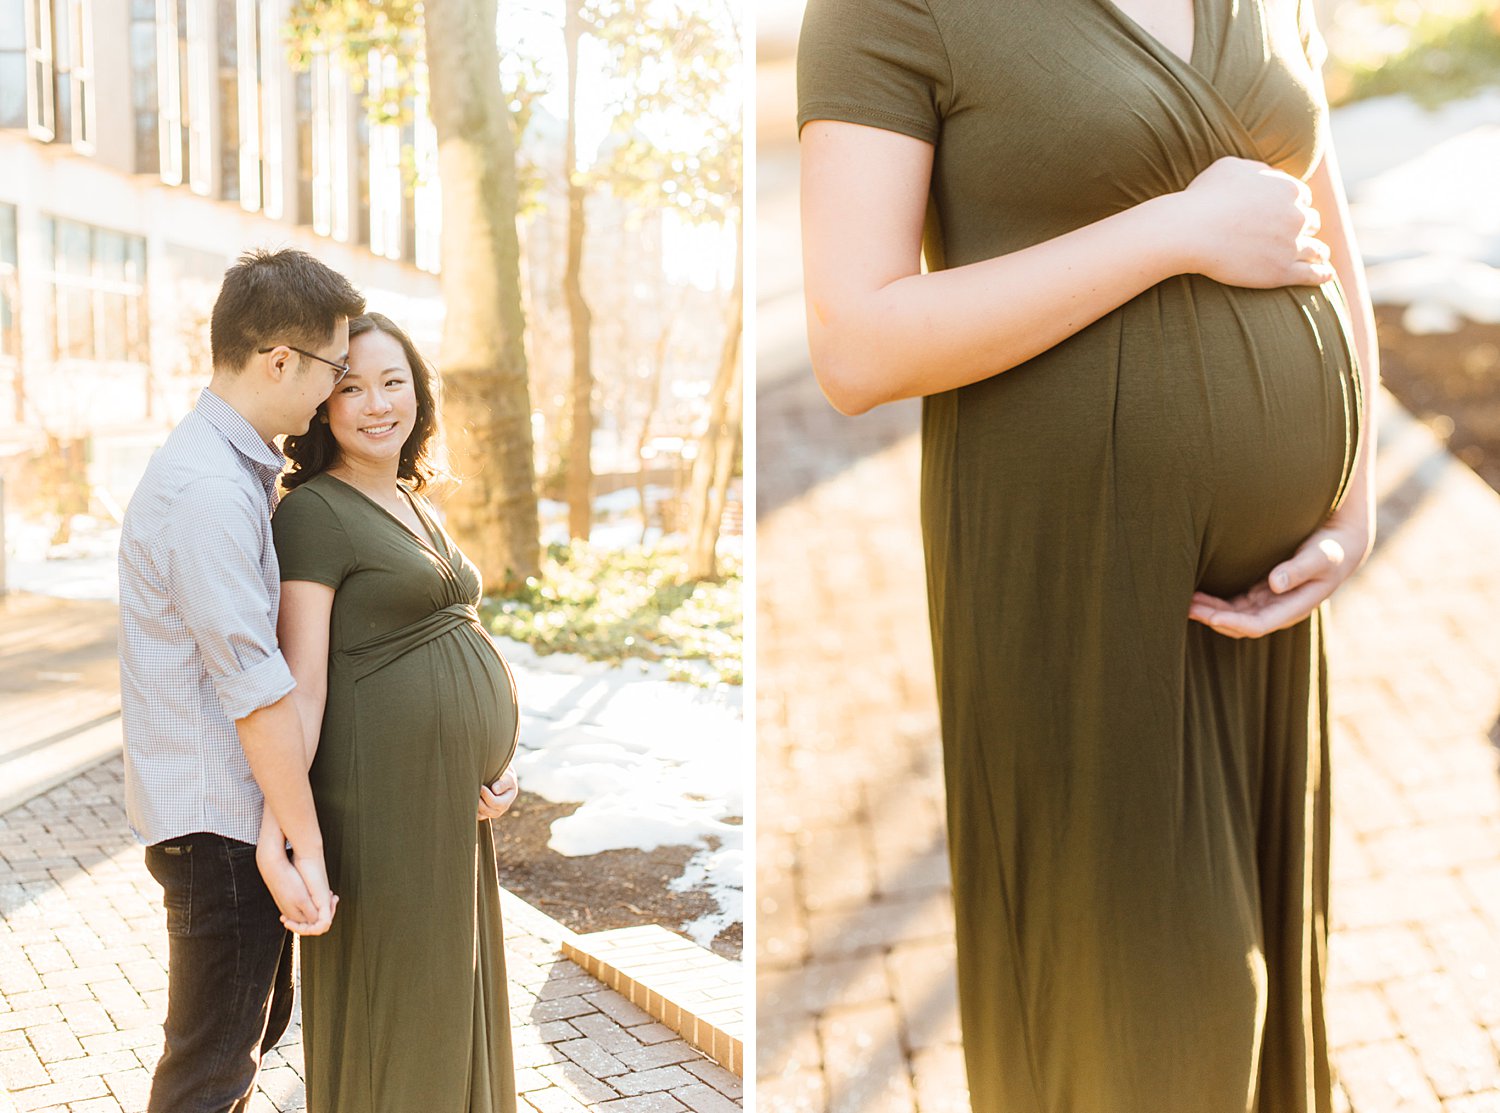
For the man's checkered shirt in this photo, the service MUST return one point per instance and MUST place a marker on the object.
(199, 588)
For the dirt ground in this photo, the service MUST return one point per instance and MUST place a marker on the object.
(1452, 383)
(616, 888)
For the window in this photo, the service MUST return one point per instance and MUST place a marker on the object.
(198, 96)
(40, 90)
(143, 85)
(362, 168)
(74, 53)
(324, 165)
(171, 73)
(386, 187)
(98, 284)
(12, 64)
(303, 92)
(427, 203)
(185, 74)
(59, 71)
(248, 92)
(10, 330)
(322, 147)
(399, 176)
(9, 340)
(272, 144)
(227, 32)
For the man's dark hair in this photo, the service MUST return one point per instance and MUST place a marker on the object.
(278, 297)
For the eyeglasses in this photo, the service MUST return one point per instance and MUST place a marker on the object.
(342, 369)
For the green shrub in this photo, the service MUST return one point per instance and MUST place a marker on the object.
(610, 604)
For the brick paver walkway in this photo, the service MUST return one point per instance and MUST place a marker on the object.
(83, 952)
(856, 993)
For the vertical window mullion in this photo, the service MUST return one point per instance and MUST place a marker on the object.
(322, 148)
(41, 104)
(169, 91)
(201, 55)
(339, 168)
(272, 110)
(427, 194)
(385, 164)
(247, 59)
(82, 75)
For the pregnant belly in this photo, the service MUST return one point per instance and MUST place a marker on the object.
(1222, 420)
(1280, 417)
(431, 725)
(480, 693)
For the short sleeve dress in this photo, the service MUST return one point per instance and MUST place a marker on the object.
(1138, 807)
(404, 1003)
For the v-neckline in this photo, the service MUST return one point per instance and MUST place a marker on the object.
(431, 544)
(1195, 49)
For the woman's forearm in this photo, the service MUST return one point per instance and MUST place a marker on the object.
(926, 333)
(310, 704)
(879, 329)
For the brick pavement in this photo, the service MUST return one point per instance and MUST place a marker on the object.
(83, 983)
(857, 1002)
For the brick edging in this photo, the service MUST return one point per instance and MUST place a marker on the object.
(691, 990)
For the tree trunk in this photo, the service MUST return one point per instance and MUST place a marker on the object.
(486, 401)
(716, 451)
(580, 467)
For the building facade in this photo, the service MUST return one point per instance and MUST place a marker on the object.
(144, 144)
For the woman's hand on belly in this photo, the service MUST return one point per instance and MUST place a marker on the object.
(1294, 588)
(495, 799)
(1254, 226)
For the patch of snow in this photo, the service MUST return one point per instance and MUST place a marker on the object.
(1422, 198)
(715, 872)
(652, 762)
(1439, 290)
(84, 568)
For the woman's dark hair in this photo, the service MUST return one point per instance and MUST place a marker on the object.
(277, 297)
(315, 451)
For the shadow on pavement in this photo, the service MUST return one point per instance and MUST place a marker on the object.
(824, 443)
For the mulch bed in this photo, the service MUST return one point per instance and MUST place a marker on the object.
(612, 889)
(1451, 382)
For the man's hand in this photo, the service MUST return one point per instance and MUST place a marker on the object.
(299, 911)
(495, 800)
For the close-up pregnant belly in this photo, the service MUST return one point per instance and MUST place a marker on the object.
(1225, 419)
(1279, 404)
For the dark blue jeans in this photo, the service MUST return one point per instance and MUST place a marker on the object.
(229, 977)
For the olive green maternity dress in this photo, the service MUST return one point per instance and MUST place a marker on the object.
(1138, 807)
(404, 1004)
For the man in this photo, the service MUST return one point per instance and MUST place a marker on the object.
(211, 736)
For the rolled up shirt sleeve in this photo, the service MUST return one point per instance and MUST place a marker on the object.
(212, 545)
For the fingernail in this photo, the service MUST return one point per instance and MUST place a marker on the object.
(1278, 581)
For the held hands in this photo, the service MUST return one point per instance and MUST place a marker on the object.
(1293, 589)
(495, 800)
(1253, 226)
(299, 885)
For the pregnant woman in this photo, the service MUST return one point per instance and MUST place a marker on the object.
(414, 715)
(1144, 468)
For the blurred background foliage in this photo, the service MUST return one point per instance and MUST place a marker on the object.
(1432, 50)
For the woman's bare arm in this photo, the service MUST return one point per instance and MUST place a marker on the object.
(302, 632)
(880, 330)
